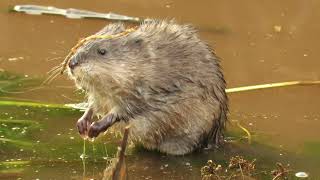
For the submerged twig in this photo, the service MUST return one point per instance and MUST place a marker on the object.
(246, 131)
(117, 170)
(281, 172)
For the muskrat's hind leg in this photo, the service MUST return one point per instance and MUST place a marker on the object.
(102, 125)
(84, 122)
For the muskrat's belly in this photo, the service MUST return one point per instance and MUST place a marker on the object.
(176, 130)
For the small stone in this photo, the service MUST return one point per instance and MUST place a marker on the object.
(188, 164)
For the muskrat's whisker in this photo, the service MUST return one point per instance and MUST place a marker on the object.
(53, 78)
(53, 74)
(53, 59)
(55, 68)
(50, 78)
(47, 79)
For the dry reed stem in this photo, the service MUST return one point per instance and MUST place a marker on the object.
(272, 85)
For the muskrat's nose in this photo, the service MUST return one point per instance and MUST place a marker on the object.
(73, 63)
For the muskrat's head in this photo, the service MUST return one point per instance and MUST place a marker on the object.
(108, 61)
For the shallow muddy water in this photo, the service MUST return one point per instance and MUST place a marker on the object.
(258, 41)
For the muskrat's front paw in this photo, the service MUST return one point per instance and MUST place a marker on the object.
(83, 126)
(94, 130)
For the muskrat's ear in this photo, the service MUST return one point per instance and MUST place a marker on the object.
(138, 41)
(135, 42)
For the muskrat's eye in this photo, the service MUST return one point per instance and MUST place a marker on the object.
(102, 51)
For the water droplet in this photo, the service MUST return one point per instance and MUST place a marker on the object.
(83, 156)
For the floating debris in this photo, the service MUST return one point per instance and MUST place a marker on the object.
(277, 28)
(238, 168)
(281, 172)
(301, 175)
(15, 58)
(211, 171)
(238, 162)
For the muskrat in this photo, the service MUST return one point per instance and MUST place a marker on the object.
(160, 78)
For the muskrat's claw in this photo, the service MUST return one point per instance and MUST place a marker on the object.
(83, 126)
(95, 129)
(100, 126)
(84, 122)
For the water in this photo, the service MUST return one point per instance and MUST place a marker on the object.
(258, 42)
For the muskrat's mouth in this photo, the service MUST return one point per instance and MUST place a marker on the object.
(81, 76)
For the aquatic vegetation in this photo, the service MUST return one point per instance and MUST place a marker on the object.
(13, 84)
(240, 168)
(281, 172)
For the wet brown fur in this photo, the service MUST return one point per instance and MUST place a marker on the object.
(162, 80)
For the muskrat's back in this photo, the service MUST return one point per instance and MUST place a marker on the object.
(164, 81)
